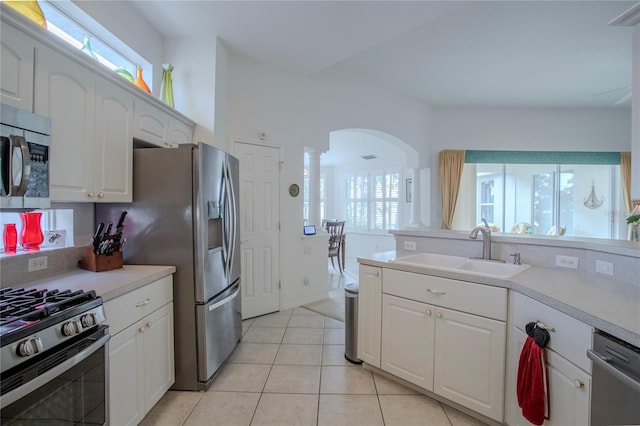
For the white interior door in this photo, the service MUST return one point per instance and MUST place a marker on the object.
(259, 228)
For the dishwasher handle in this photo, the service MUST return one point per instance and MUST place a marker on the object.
(603, 363)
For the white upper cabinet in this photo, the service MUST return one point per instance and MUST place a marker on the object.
(16, 68)
(154, 126)
(65, 93)
(91, 155)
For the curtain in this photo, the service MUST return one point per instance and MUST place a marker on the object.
(625, 173)
(450, 164)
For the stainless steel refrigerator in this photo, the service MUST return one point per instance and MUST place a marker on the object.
(185, 213)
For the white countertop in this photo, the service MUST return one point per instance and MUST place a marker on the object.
(605, 304)
(107, 284)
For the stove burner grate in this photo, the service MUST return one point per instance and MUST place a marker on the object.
(33, 305)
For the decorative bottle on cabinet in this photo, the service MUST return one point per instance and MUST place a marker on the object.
(86, 46)
(31, 236)
(166, 88)
(31, 9)
(140, 81)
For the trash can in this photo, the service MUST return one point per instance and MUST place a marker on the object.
(351, 323)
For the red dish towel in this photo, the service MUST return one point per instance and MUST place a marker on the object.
(533, 386)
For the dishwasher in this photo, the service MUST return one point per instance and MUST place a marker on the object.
(615, 381)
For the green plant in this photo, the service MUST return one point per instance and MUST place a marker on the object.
(634, 218)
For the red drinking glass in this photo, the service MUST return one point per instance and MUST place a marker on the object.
(10, 238)
(31, 236)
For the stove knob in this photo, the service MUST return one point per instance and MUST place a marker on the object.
(89, 320)
(30, 347)
(70, 328)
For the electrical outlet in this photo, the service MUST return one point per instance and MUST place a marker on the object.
(410, 245)
(604, 267)
(305, 281)
(567, 262)
(37, 263)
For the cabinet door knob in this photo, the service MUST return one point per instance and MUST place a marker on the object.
(430, 290)
(578, 383)
(90, 194)
(439, 314)
(428, 312)
(141, 329)
(100, 194)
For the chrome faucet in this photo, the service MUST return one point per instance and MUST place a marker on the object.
(486, 238)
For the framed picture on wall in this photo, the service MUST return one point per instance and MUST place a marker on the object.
(408, 190)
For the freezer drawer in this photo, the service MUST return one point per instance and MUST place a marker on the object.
(219, 328)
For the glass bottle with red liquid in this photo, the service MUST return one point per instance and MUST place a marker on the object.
(31, 235)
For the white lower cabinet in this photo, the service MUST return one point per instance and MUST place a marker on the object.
(408, 329)
(141, 357)
(569, 384)
(469, 361)
(369, 314)
(446, 336)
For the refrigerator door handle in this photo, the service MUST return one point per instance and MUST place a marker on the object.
(225, 220)
(228, 219)
(225, 300)
(233, 206)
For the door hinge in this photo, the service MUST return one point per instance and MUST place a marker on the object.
(280, 165)
(279, 226)
(279, 285)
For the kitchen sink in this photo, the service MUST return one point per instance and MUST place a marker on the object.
(463, 265)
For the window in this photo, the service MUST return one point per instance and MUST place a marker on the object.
(550, 199)
(486, 199)
(372, 201)
(71, 24)
(56, 224)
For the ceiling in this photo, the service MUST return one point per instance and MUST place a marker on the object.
(468, 53)
(449, 53)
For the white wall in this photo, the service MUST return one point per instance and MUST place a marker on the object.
(529, 129)
(296, 112)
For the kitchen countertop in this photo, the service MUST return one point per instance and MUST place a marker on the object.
(603, 303)
(107, 284)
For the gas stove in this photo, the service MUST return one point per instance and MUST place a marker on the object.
(33, 321)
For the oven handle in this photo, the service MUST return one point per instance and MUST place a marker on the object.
(46, 377)
(603, 363)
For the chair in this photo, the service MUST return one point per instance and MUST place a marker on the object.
(336, 240)
(552, 231)
(521, 228)
(325, 221)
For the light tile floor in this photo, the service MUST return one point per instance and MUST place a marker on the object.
(290, 369)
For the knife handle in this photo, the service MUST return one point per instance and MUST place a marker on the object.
(121, 220)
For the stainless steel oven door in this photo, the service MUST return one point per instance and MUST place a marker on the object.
(69, 385)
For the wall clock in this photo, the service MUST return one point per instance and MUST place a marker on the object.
(294, 190)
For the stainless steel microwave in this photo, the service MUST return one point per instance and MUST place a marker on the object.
(25, 141)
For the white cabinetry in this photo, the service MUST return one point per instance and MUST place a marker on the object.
(155, 126)
(408, 337)
(568, 366)
(446, 336)
(92, 133)
(16, 68)
(369, 314)
(141, 356)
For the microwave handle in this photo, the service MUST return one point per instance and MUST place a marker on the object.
(19, 142)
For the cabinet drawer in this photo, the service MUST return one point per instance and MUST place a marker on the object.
(478, 299)
(125, 310)
(571, 338)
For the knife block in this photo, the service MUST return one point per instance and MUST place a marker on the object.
(100, 262)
